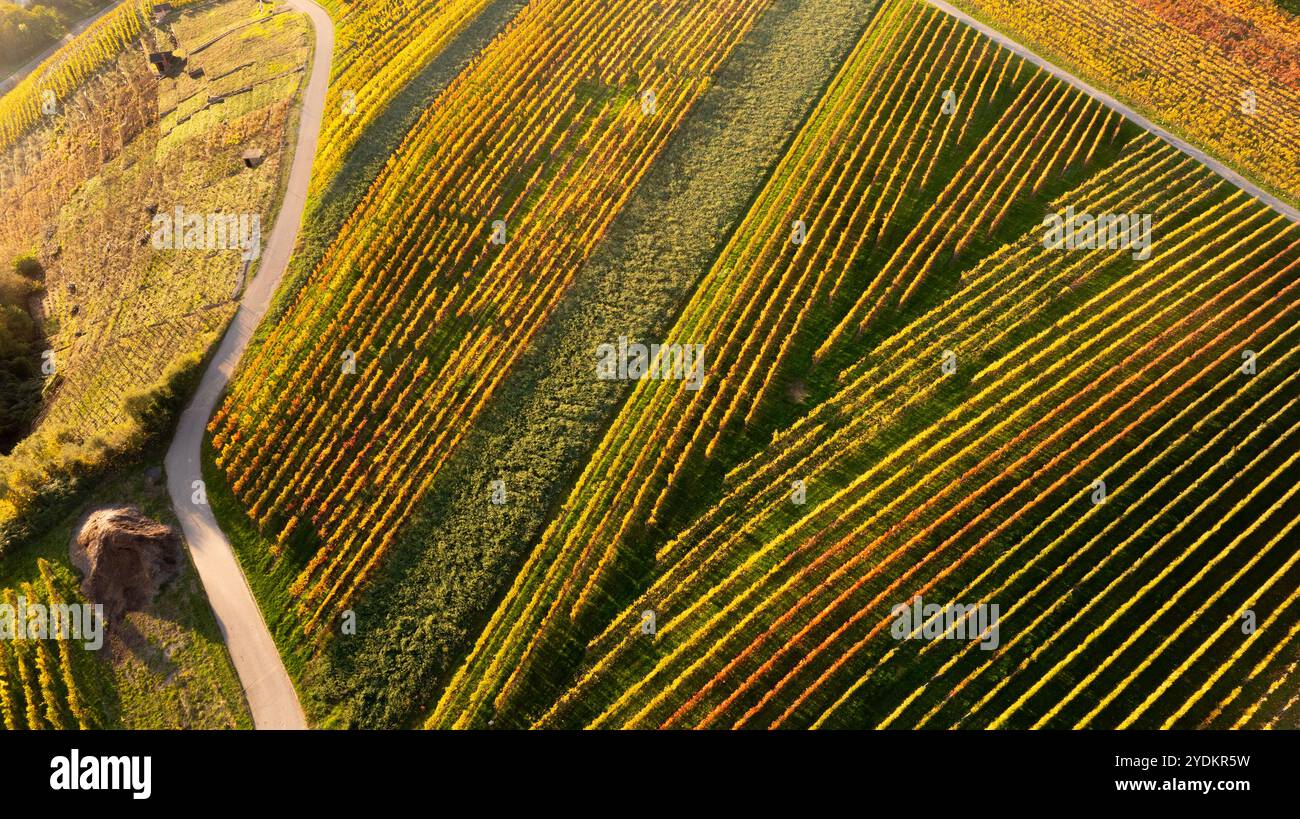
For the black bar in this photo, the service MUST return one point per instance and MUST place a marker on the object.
(858, 771)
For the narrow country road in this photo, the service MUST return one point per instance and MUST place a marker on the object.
(271, 696)
(1196, 153)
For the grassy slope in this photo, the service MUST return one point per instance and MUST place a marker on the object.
(701, 486)
(460, 550)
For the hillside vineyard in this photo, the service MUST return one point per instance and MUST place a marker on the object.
(417, 294)
(490, 365)
(974, 486)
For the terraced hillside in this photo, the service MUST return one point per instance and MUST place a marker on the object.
(124, 307)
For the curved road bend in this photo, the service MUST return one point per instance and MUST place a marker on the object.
(1196, 153)
(271, 696)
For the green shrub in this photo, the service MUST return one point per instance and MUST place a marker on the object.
(24, 32)
(28, 265)
(20, 343)
(47, 470)
(155, 408)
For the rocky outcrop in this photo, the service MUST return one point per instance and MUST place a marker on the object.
(124, 558)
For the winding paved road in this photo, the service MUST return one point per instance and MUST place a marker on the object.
(271, 696)
(1196, 153)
